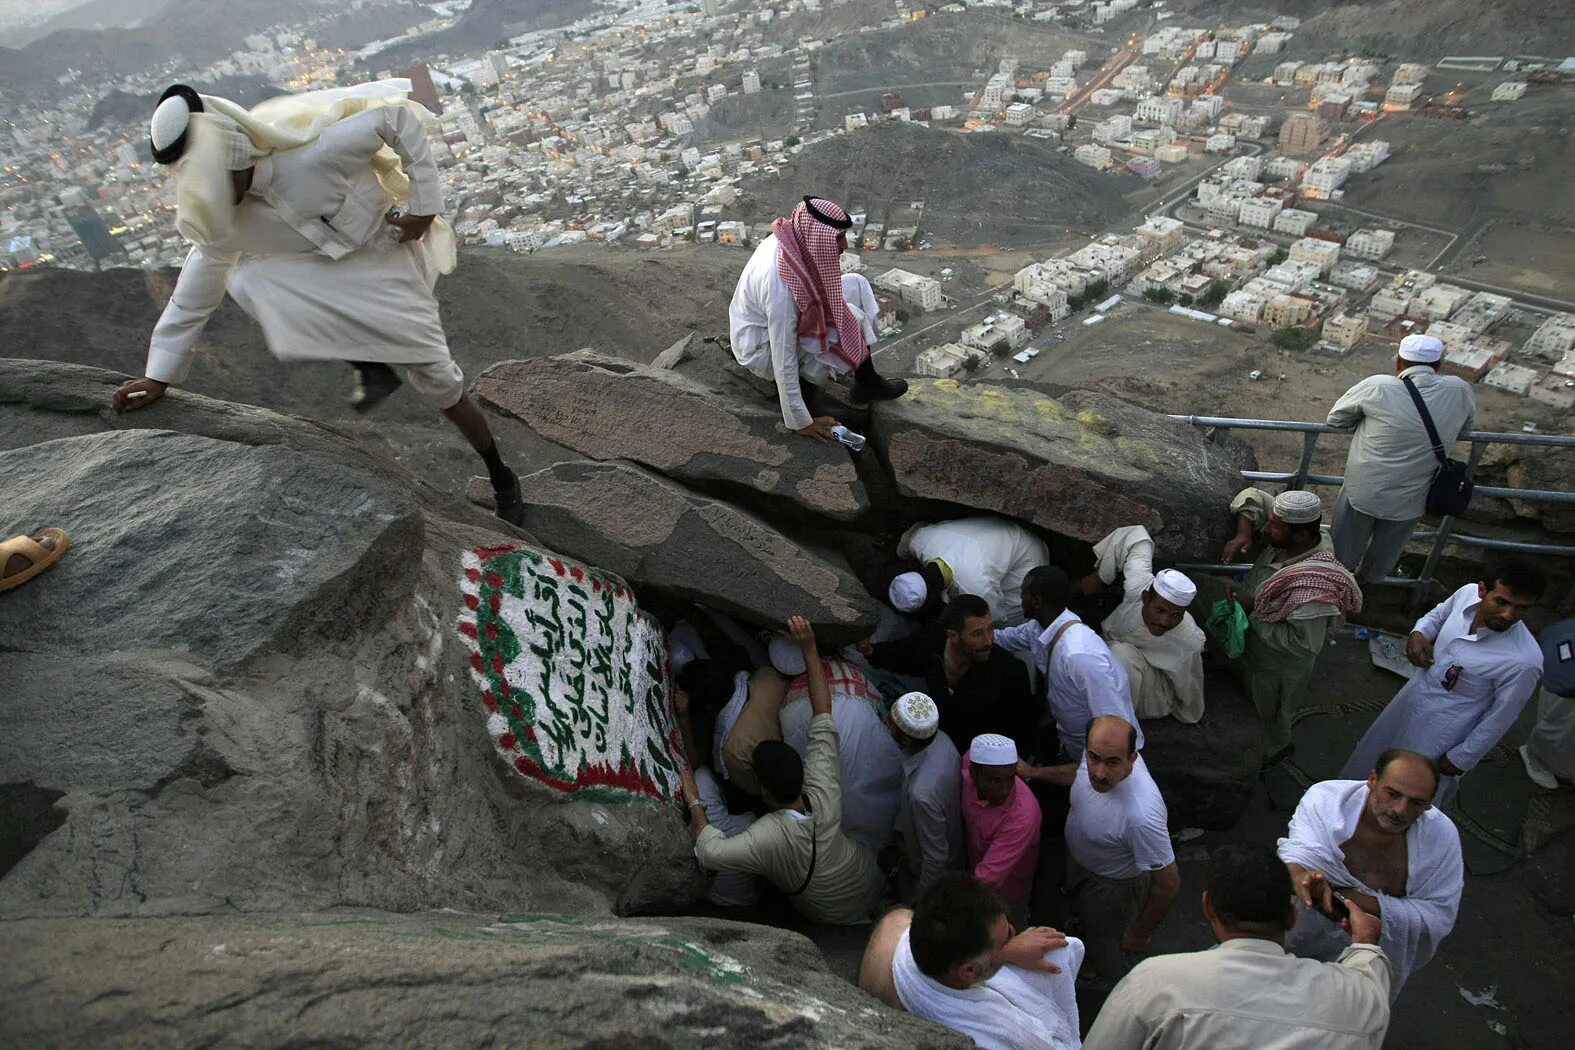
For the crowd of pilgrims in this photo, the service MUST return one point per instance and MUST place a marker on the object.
(976, 764)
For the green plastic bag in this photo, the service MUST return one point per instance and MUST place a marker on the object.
(1227, 625)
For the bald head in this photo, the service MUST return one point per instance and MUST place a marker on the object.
(1111, 753)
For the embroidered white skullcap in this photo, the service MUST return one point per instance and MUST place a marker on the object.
(1298, 507)
(993, 749)
(1175, 588)
(785, 656)
(169, 122)
(1423, 349)
(908, 592)
(916, 715)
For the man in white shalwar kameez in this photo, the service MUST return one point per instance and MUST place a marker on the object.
(1151, 632)
(955, 960)
(1383, 844)
(984, 556)
(1477, 666)
(318, 213)
(797, 320)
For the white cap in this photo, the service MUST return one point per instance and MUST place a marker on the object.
(908, 592)
(993, 749)
(679, 656)
(1298, 507)
(785, 656)
(169, 121)
(916, 715)
(1175, 588)
(1423, 349)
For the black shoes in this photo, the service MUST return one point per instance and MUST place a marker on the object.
(875, 388)
(374, 381)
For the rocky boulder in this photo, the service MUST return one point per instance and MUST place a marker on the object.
(273, 673)
(369, 979)
(1207, 771)
(1079, 466)
(662, 537)
(604, 408)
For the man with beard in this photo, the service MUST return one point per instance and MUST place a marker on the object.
(1382, 845)
(1121, 870)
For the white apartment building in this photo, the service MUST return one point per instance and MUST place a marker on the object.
(1401, 96)
(1292, 275)
(989, 333)
(1115, 259)
(1326, 175)
(1244, 306)
(1260, 211)
(1453, 336)
(1077, 58)
(1220, 142)
(1243, 167)
(1164, 232)
(1094, 156)
(1208, 105)
(716, 92)
(1554, 338)
(1174, 153)
(1343, 331)
(1370, 244)
(855, 121)
(1509, 91)
(1019, 113)
(995, 91)
(1294, 221)
(1062, 68)
(1365, 156)
(1438, 301)
(751, 82)
(1409, 73)
(1285, 72)
(1112, 128)
(1038, 282)
(1160, 110)
(941, 362)
(1283, 167)
(912, 288)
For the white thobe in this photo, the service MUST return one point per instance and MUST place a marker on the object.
(763, 329)
(1084, 678)
(1499, 672)
(1391, 464)
(311, 259)
(988, 557)
(1248, 992)
(1413, 925)
(1165, 671)
(930, 818)
(870, 761)
(1014, 1009)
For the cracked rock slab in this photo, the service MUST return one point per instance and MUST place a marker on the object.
(1079, 466)
(604, 407)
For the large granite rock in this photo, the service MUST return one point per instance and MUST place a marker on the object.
(449, 980)
(657, 534)
(1079, 466)
(271, 673)
(1207, 771)
(607, 408)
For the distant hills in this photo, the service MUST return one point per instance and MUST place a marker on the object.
(486, 24)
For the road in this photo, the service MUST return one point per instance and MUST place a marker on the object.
(900, 87)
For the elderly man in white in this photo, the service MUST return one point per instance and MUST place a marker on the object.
(318, 213)
(1391, 462)
(1381, 844)
(985, 556)
(1477, 666)
(1151, 632)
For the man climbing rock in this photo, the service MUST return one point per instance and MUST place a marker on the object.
(798, 320)
(291, 208)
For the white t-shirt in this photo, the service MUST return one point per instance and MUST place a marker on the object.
(1120, 833)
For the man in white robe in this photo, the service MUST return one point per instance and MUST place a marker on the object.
(985, 556)
(1382, 844)
(955, 960)
(1477, 666)
(930, 835)
(1151, 632)
(318, 213)
(797, 320)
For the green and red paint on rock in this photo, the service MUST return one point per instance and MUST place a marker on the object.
(573, 675)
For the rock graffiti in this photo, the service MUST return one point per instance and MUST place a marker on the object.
(573, 675)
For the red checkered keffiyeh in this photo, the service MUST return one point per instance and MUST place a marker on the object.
(842, 679)
(1317, 578)
(808, 260)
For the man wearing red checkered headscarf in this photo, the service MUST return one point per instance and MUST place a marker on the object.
(797, 319)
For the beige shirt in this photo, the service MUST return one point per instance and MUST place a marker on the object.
(1248, 994)
(846, 884)
(1391, 464)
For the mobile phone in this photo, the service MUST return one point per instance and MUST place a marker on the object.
(1338, 912)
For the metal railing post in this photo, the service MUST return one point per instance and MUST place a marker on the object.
(1446, 525)
(1309, 442)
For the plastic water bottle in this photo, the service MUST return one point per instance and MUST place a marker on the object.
(853, 440)
(1361, 634)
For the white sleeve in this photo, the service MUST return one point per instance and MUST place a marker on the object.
(1128, 553)
(402, 130)
(1019, 638)
(198, 292)
(782, 329)
(1433, 621)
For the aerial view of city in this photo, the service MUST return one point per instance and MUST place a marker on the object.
(307, 746)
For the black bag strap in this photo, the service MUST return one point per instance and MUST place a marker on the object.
(1427, 419)
(814, 851)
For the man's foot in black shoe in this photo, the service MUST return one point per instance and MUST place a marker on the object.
(878, 389)
(374, 381)
(510, 503)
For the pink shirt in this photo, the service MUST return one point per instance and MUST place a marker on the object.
(1003, 841)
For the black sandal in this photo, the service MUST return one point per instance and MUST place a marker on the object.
(510, 504)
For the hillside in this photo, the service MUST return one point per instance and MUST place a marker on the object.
(486, 24)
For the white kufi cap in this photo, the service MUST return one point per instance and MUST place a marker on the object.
(916, 715)
(1175, 588)
(993, 749)
(908, 592)
(1298, 507)
(785, 656)
(169, 122)
(1423, 349)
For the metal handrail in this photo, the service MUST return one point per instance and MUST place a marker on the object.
(1444, 534)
